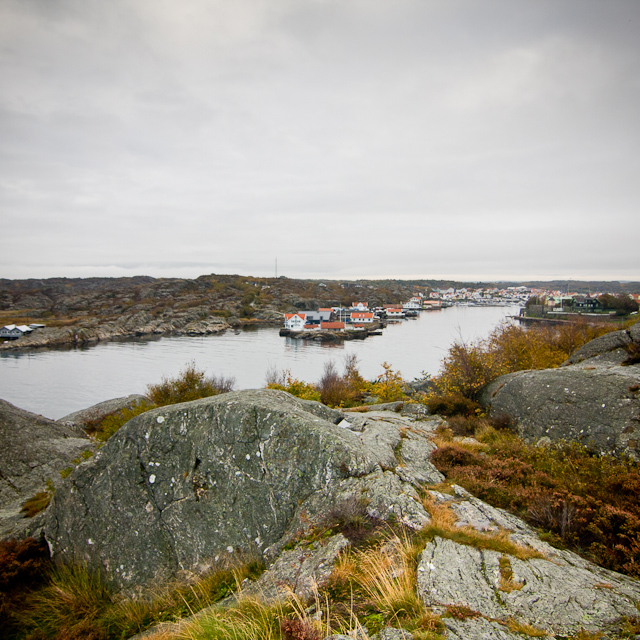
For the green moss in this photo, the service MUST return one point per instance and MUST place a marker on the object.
(36, 504)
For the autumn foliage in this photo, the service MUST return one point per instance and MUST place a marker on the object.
(468, 367)
(585, 502)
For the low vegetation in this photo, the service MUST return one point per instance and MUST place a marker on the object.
(103, 429)
(585, 502)
(41, 601)
(190, 384)
(342, 390)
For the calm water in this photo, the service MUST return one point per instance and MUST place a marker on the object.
(56, 382)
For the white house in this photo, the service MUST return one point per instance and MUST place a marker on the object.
(360, 306)
(12, 332)
(361, 317)
(295, 321)
(394, 312)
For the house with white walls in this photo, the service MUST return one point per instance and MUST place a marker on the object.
(362, 317)
(295, 321)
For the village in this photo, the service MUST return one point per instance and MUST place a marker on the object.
(533, 302)
(360, 317)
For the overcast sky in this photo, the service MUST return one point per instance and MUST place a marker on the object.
(470, 139)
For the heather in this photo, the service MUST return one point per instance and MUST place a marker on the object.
(578, 500)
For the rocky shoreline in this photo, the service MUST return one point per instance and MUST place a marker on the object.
(134, 326)
(87, 310)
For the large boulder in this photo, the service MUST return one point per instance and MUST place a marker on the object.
(593, 398)
(178, 486)
(33, 450)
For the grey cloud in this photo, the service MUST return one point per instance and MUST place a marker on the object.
(132, 130)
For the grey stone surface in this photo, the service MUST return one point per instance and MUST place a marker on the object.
(244, 471)
(390, 633)
(479, 629)
(100, 411)
(415, 452)
(601, 345)
(415, 410)
(562, 595)
(301, 571)
(33, 449)
(591, 405)
(181, 484)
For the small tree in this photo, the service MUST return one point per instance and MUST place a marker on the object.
(389, 386)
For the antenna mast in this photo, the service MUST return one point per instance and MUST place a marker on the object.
(276, 267)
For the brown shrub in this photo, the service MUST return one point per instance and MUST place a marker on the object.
(297, 629)
(23, 563)
(633, 349)
(452, 404)
(587, 503)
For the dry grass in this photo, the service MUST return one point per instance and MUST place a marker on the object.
(377, 587)
(526, 629)
(34, 505)
(75, 604)
(443, 524)
(388, 577)
(507, 583)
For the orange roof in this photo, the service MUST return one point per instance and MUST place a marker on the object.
(288, 316)
(332, 325)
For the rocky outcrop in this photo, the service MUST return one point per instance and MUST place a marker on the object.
(94, 414)
(33, 450)
(593, 399)
(240, 472)
(558, 593)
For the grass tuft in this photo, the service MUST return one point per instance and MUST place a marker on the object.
(190, 384)
(443, 525)
(526, 629)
